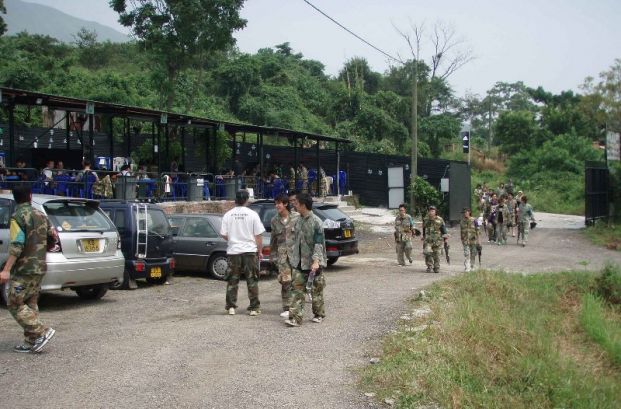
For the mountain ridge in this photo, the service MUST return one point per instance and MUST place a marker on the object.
(45, 20)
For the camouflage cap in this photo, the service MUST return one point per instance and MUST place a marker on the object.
(432, 207)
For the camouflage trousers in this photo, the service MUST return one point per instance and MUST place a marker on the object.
(470, 256)
(242, 265)
(298, 295)
(523, 229)
(501, 230)
(432, 256)
(284, 278)
(404, 247)
(22, 304)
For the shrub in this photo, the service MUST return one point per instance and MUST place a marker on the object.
(608, 284)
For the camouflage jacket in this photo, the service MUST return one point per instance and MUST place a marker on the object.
(103, 187)
(309, 243)
(29, 232)
(403, 228)
(525, 212)
(469, 231)
(502, 214)
(434, 230)
(302, 173)
(282, 238)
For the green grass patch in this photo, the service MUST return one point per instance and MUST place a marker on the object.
(606, 332)
(497, 340)
(603, 235)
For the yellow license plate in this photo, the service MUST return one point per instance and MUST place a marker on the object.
(155, 272)
(347, 233)
(90, 245)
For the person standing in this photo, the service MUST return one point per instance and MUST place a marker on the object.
(242, 229)
(526, 215)
(469, 238)
(434, 232)
(404, 225)
(281, 250)
(25, 267)
(502, 219)
(309, 256)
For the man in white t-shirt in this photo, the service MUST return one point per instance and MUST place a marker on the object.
(242, 229)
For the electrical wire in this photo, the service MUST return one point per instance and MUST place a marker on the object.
(352, 33)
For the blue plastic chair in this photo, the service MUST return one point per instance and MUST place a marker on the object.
(62, 185)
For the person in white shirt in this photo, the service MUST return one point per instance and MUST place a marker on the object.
(242, 229)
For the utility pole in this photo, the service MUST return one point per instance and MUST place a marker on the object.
(414, 134)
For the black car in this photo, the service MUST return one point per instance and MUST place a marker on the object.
(146, 240)
(339, 229)
(200, 248)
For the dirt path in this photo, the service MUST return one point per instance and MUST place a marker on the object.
(173, 346)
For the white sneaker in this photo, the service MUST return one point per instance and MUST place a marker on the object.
(292, 323)
(254, 313)
(317, 319)
(284, 314)
(231, 311)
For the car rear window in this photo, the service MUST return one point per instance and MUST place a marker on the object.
(77, 216)
(5, 213)
(331, 213)
(157, 222)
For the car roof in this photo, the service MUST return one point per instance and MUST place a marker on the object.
(41, 199)
(194, 214)
(125, 203)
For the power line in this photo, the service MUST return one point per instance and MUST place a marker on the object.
(352, 33)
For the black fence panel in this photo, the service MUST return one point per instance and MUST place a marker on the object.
(596, 192)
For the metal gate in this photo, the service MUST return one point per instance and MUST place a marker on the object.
(595, 192)
(396, 187)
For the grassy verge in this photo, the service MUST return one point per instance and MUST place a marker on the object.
(496, 340)
(602, 235)
(606, 332)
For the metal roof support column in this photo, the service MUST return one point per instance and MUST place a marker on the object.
(261, 164)
(111, 139)
(128, 136)
(207, 135)
(167, 144)
(295, 161)
(182, 148)
(338, 170)
(67, 130)
(91, 136)
(234, 159)
(318, 189)
(11, 110)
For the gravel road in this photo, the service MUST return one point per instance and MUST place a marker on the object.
(173, 346)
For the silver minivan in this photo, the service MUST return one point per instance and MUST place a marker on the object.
(89, 259)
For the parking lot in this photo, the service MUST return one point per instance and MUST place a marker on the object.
(174, 346)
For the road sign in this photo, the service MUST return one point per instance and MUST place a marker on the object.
(465, 137)
(90, 108)
(613, 146)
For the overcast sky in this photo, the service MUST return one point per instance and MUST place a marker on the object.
(552, 43)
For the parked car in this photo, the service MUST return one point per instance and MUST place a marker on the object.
(146, 240)
(200, 248)
(339, 230)
(89, 259)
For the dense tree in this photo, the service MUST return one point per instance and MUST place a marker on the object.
(515, 131)
(2, 23)
(181, 33)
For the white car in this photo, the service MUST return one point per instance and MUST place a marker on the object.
(89, 259)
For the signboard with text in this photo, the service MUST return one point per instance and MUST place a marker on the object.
(613, 146)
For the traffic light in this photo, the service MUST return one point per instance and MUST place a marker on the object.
(465, 137)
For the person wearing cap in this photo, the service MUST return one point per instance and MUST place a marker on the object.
(434, 232)
(404, 226)
(469, 238)
(526, 215)
(242, 229)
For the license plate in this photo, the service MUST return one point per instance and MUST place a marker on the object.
(90, 245)
(347, 233)
(155, 272)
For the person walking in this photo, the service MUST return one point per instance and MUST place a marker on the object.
(434, 232)
(404, 226)
(309, 257)
(242, 229)
(502, 219)
(281, 251)
(526, 215)
(469, 239)
(30, 233)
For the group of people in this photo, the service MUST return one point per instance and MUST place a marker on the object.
(297, 249)
(502, 213)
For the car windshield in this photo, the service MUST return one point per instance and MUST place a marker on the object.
(77, 216)
(331, 213)
(157, 222)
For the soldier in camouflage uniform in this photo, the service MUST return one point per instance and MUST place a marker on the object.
(323, 183)
(434, 231)
(242, 229)
(291, 178)
(25, 267)
(309, 254)
(303, 176)
(526, 215)
(404, 225)
(502, 219)
(281, 248)
(469, 238)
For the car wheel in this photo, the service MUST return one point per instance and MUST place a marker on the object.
(332, 260)
(217, 266)
(93, 292)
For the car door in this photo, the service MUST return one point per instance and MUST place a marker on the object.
(183, 260)
(199, 240)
